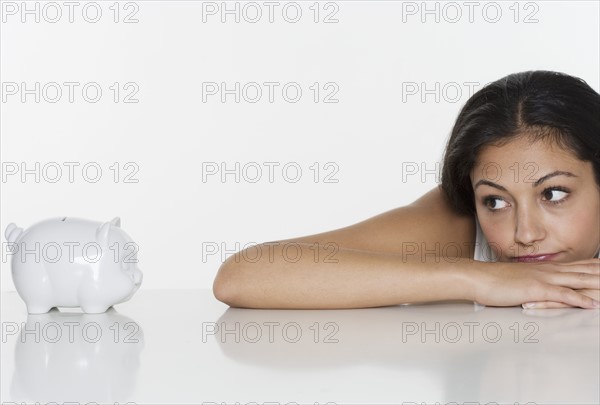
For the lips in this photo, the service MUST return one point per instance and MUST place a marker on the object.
(536, 258)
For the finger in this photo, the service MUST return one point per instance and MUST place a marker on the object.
(591, 268)
(556, 312)
(570, 297)
(583, 265)
(579, 281)
(594, 260)
(595, 294)
(545, 305)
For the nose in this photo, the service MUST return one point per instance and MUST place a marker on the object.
(529, 229)
(137, 277)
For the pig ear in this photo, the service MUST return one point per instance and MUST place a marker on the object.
(116, 221)
(102, 233)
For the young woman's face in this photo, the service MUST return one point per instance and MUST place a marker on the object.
(536, 199)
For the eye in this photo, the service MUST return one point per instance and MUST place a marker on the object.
(555, 192)
(492, 200)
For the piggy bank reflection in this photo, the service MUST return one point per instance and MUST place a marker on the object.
(73, 262)
(73, 357)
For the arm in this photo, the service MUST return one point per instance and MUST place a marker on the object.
(320, 278)
(368, 253)
(361, 279)
(370, 267)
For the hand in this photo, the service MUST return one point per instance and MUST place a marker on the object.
(553, 285)
(592, 293)
(595, 294)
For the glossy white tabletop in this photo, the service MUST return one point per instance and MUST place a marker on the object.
(185, 347)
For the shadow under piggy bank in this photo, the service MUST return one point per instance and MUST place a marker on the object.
(76, 357)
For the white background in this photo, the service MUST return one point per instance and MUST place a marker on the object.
(373, 52)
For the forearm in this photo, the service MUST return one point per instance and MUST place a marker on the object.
(346, 279)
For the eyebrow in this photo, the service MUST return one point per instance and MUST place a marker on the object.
(535, 184)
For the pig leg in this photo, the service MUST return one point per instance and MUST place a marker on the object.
(37, 308)
(90, 301)
(33, 286)
(93, 308)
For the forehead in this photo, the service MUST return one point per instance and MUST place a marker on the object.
(522, 154)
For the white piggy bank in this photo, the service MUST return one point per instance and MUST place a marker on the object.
(73, 262)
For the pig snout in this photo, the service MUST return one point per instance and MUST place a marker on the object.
(137, 277)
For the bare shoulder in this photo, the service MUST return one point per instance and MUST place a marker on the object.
(429, 222)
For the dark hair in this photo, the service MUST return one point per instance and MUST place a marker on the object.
(540, 104)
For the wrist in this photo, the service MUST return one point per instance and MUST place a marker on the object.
(466, 277)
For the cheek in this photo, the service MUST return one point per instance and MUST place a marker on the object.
(500, 238)
(576, 229)
(583, 224)
(498, 234)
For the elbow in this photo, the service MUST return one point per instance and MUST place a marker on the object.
(225, 286)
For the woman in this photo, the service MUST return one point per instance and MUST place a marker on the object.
(520, 194)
